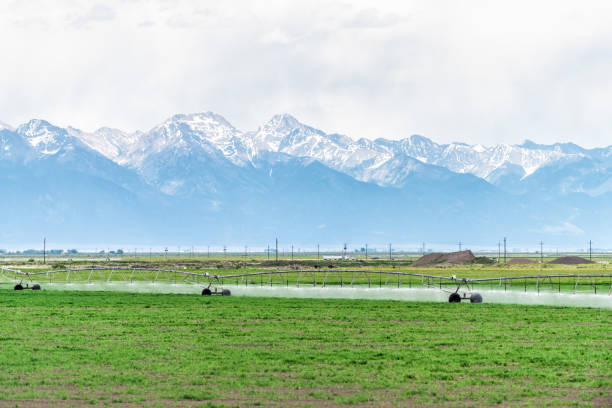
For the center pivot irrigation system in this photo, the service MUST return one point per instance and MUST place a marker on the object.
(213, 284)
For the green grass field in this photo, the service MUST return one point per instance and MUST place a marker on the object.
(109, 348)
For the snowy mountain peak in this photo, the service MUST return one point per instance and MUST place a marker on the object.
(283, 122)
(44, 137)
(200, 117)
(196, 132)
(205, 125)
(270, 135)
(419, 140)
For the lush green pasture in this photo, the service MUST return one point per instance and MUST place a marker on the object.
(76, 348)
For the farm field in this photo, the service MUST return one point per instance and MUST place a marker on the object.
(111, 348)
(378, 273)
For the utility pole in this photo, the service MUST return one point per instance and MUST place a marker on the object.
(389, 251)
(590, 251)
(504, 249)
(276, 250)
(268, 252)
(541, 252)
(291, 252)
(44, 250)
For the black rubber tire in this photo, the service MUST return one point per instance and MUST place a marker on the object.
(476, 297)
(454, 298)
(206, 292)
(18, 287)
(36, 286)
(226, 292)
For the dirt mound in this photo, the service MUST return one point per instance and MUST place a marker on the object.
(571, 260)
(436, 258)
(483, 260)
(521, 261)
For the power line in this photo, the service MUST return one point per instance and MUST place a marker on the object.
(498, 251)
(541, 252)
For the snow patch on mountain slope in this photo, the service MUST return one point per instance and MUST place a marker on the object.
(114, 144)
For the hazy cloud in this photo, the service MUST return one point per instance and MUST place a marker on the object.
(478, 71)
(372, 18)
(277, 36)
(567, 228)
(97, 13)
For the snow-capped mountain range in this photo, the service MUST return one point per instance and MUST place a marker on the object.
(210, 166)
(379, 161)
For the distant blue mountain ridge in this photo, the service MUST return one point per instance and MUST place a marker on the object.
(196, 179)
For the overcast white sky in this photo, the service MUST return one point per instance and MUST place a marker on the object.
(474, 71)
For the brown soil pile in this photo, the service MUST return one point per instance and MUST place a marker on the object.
(571, 260)
(437, 258)
(521, 261)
